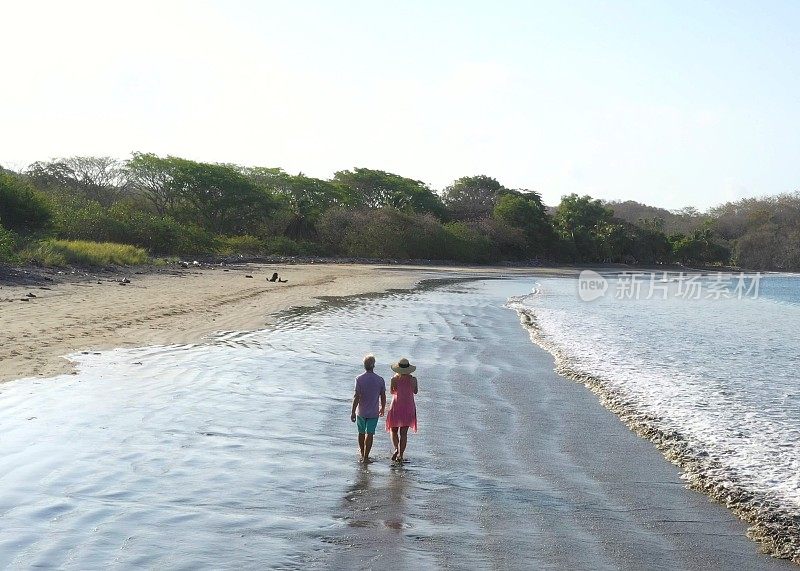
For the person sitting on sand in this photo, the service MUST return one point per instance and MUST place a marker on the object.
(403, 410)
(370, 388)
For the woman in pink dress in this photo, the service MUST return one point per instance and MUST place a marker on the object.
(403, 411)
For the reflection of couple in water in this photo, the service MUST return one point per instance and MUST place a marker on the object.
(369, 403)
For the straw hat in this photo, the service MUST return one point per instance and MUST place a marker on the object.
(403, 367)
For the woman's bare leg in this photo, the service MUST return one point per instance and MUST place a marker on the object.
(395, 443)
(403, 441)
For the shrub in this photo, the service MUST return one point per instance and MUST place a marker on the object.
(7, 243)
(63, 252)
(334, 225)
(283, 246)
(87, 221)
(245, 245)
(159, 235)
(391, 233)
(193, 240)
(123, 224)
(22, 208)
(382, 233)
(466, 244)
(506, 241)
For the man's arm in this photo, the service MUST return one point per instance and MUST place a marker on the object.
(383, 402)
(353, 411)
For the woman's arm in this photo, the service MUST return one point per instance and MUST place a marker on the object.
(414, 384)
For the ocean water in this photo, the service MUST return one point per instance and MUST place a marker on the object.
(238, 453)
(722, 372)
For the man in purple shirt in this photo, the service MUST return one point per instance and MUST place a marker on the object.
(370, 388)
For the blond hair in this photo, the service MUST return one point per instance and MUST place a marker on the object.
(369, 362)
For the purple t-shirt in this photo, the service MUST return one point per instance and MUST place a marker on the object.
(369, 388)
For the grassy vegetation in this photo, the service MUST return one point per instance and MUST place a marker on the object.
(64, 252)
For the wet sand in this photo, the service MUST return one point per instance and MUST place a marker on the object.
(238, 453)
(529, 471)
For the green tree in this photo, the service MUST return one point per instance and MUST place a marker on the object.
(102, 179)
(648, 244)
(221, 197)
(472, 197)
(581, 222)
(375, 189)
(152, 177)
(304, 198)
(527, 212)
(698, 248)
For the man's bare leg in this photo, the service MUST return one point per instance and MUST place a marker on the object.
(361, 441)
(367, 446)
(403, 441)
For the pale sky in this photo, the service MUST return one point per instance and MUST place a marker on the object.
(671, 103)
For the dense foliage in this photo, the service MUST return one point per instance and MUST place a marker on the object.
(55, 210)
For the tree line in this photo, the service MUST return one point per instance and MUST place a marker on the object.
(171, 206)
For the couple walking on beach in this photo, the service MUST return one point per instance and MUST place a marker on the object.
(369, 403)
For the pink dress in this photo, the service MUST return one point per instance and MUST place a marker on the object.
(403, 410)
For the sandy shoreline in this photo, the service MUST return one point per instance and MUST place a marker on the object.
(182, 307)
(570, 459)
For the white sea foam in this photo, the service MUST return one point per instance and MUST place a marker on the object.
(721, 373)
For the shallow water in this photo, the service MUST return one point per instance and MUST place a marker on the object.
(722, 373)
(239, 453)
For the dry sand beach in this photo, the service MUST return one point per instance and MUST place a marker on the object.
(181, 307)
(37, 334)
(540, 476)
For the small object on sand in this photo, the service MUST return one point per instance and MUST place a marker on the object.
(185, 264)
(275, 278)
(24, 299)
(30, 294)
(248, 276)
(225, 270)
(196, 263)
(124, 281)
(42, 287)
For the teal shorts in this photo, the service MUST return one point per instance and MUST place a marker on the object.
(367, 425)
